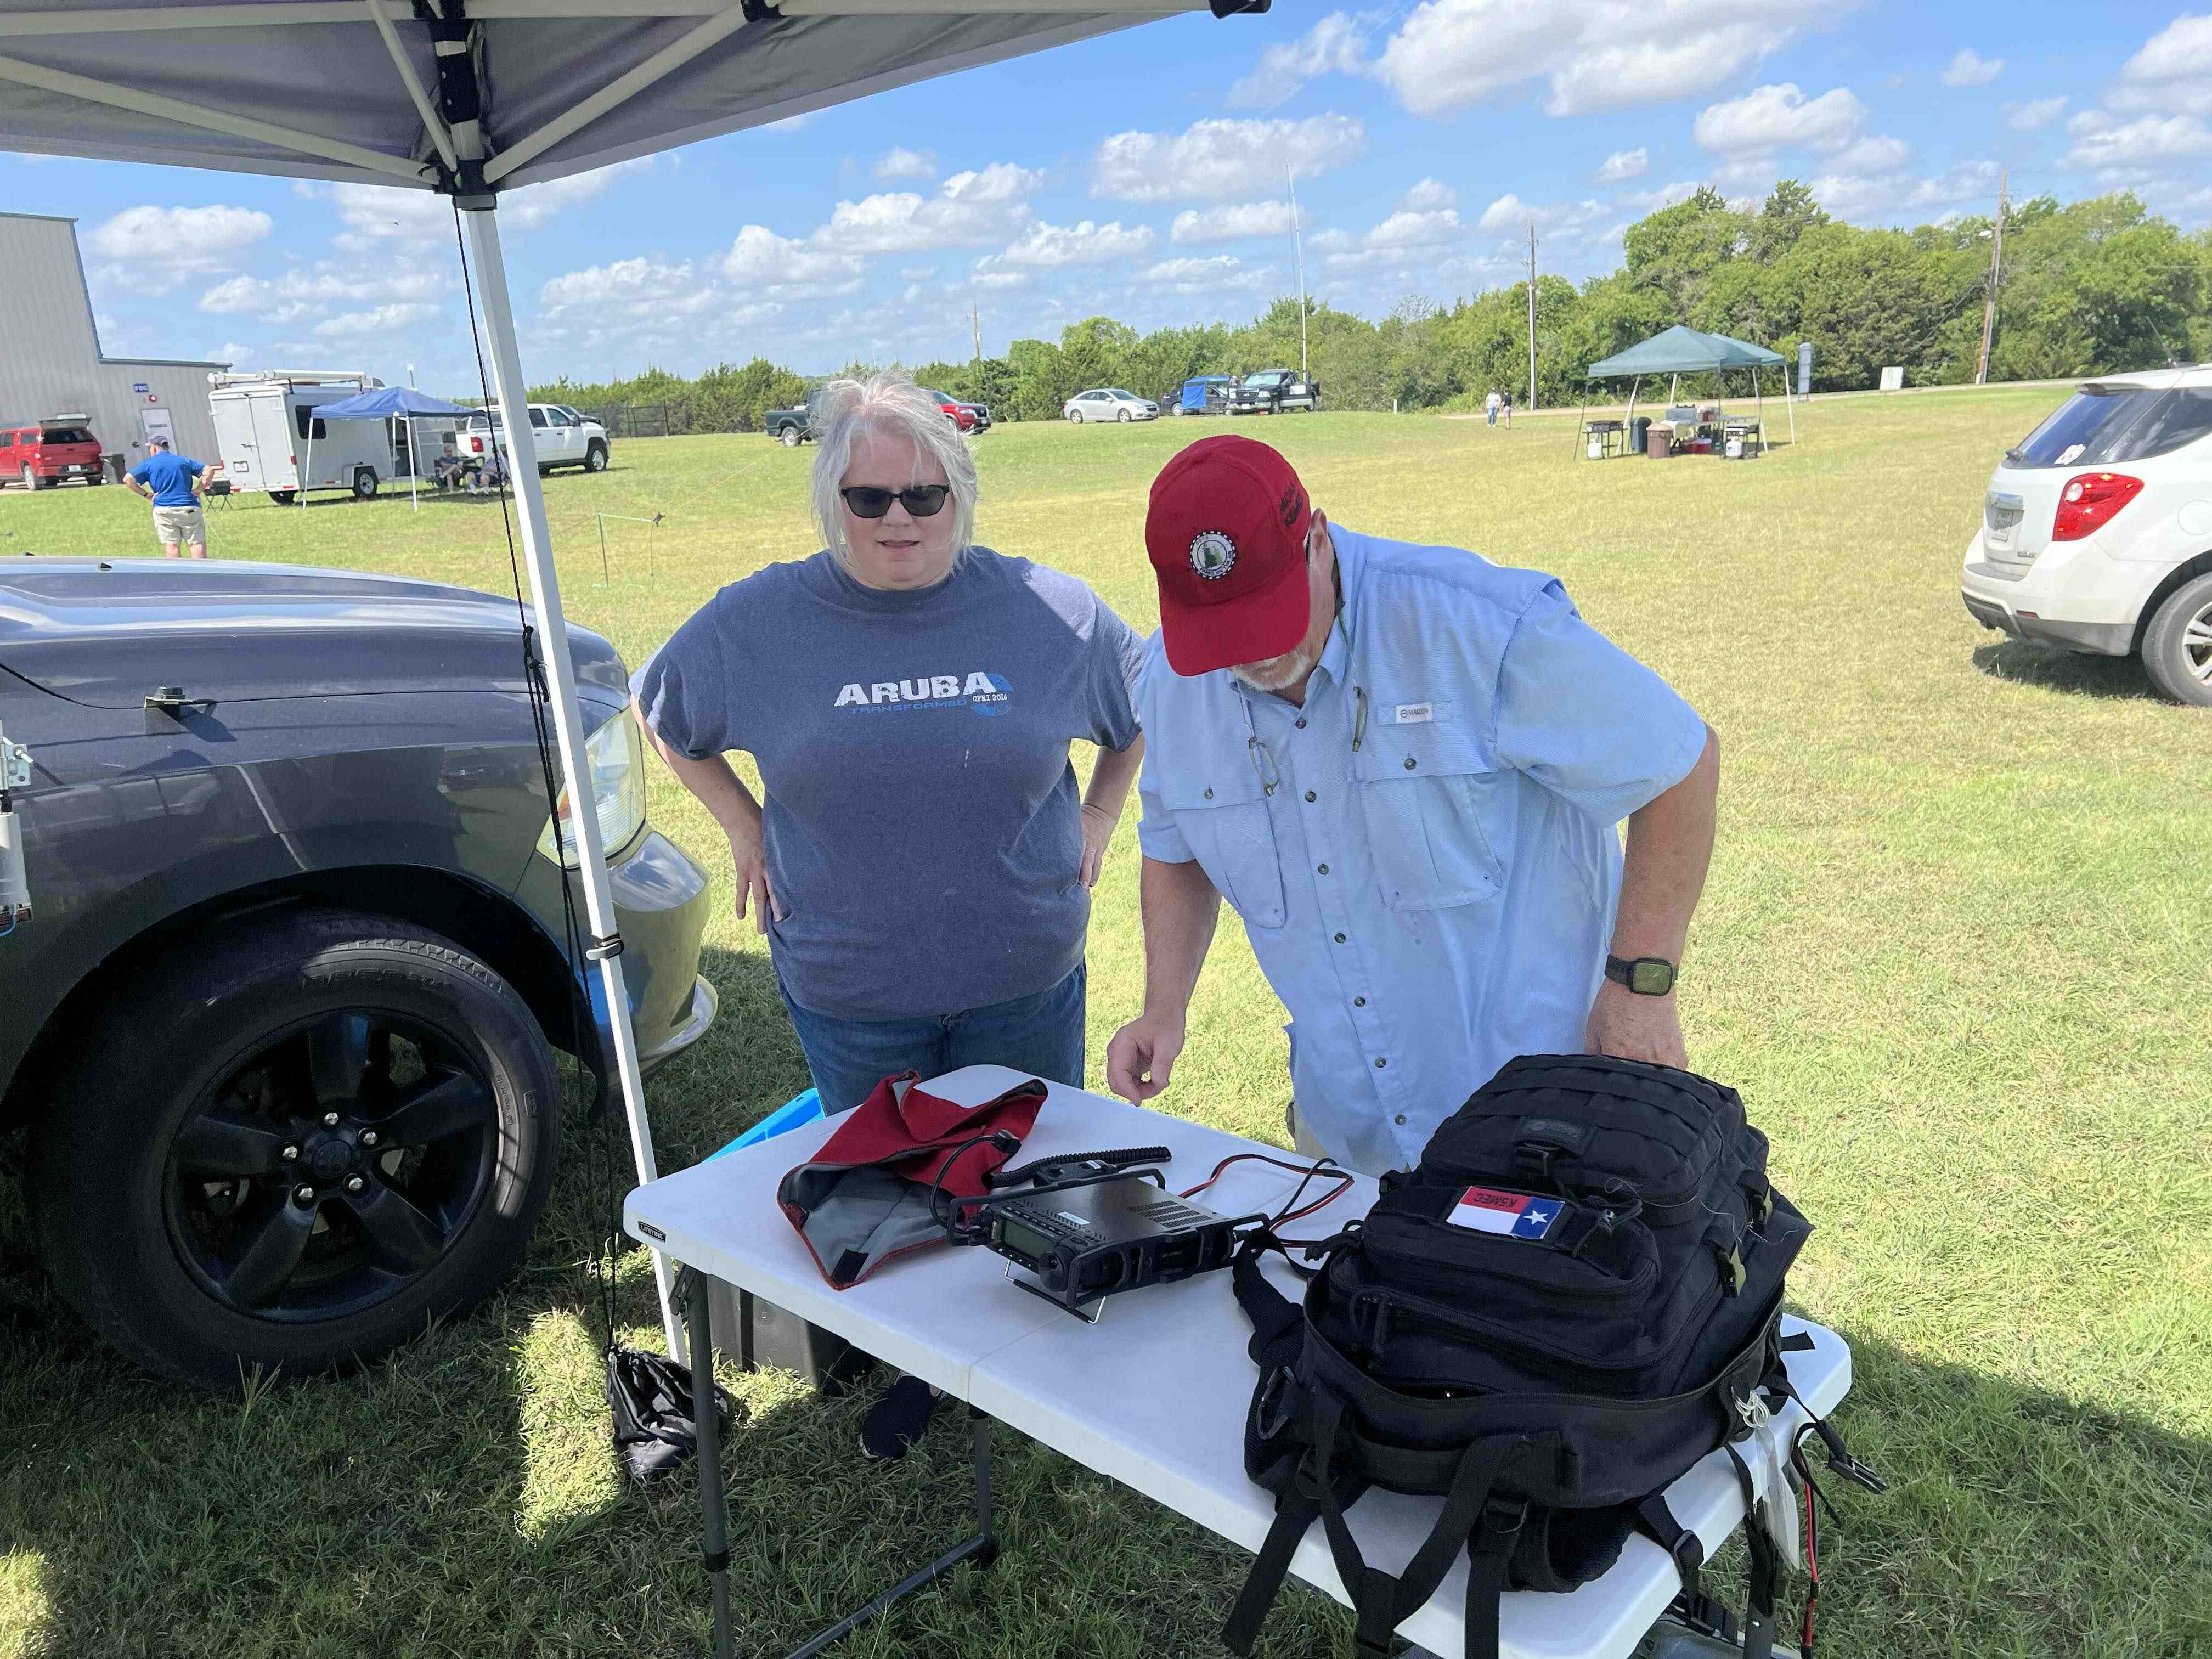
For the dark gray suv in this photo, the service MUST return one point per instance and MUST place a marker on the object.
(281, 1018)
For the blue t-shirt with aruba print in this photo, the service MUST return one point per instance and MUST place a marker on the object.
(921, 818)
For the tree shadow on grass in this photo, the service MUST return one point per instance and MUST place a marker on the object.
(2021, 662)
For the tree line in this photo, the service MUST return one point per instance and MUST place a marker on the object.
(2088, 288)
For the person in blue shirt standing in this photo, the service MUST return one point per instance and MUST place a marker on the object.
(173, 482)
(1403, 767)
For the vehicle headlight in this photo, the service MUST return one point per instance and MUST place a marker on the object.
(614, 755)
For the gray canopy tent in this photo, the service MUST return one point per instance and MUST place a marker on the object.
(1678, 351)
(467, 99)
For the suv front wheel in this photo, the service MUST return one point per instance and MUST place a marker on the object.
(295, 1147)
(2177, 646)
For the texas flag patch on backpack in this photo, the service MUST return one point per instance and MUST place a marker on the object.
(1518, 1215)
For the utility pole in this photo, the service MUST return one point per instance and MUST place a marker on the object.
(976, 321)
(1996, 255)
(1298, 242)
(1532, 319)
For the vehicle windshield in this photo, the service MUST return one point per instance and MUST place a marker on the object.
(2108, 426)
(1272, 377)
(65, 435)
(1118, 393)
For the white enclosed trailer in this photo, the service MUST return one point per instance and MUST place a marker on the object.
(270, 439)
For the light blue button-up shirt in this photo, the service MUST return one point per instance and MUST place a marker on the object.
(1424, 855)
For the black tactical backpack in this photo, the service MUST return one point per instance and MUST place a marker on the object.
(1572, 1299)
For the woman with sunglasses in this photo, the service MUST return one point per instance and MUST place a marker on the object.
(920, 862)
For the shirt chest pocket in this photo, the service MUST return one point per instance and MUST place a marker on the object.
(1438, 811)
(1223, 815)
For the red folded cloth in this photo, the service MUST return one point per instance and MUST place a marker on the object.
(864, 1197)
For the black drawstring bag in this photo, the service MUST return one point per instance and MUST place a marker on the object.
(656, 1424)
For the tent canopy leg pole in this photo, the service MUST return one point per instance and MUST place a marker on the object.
(1792, 402)
(512, 390)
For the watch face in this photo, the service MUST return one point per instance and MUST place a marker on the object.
(1650, 979)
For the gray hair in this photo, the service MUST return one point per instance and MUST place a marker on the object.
(889, 403)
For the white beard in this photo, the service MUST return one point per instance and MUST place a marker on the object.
(1275, 674)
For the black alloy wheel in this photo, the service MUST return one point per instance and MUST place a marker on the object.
(293, 1145)
(327, 1171)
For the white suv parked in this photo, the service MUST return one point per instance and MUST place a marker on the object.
(2097, 531)
(560, 436)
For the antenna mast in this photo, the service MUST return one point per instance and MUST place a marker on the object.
(1298, 242)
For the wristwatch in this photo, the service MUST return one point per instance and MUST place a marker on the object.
(1647, 976)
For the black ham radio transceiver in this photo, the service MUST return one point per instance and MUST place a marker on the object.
(1100, 1233)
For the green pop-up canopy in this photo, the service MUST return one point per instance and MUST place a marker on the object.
(1678, 351)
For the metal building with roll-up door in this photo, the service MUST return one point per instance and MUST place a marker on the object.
(51, 362)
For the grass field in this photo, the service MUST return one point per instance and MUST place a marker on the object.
(1954, 951)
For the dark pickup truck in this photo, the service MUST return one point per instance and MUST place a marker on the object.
(793, 427)
(280, 987)
(1271, 391)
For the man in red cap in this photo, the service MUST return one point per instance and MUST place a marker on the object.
(1403, 767)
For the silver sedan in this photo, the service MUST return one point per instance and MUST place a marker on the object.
(1109, 403)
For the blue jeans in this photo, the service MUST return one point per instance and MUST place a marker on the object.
(1041, 1036)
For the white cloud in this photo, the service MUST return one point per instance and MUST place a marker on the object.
(231, 352)
(1085, 243)
(916, 273)
(1592, 55)
(1623, 164)
(1650, 201)
(373, 216)
(2098, 141)
(1191, 269)
(970, 208)
(1782, 114)
(1852, 195)
(1221, 160)
(900, 162)
(1873, 155)
(999, 278)
(2173, 71)
(1334, 43)
(1427, 195)
(382, 320)
(759, 255)
(299, 294)
(1239, 222)
(1409, 229)
(626, 282)
(1966, 69)
(2032, 112)
(181, 241)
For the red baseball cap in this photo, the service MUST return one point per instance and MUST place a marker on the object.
(1226, 534)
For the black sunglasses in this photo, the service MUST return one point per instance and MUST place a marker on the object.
(870, 502)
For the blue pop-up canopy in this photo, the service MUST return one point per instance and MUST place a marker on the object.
(394, 404)
(385, 402)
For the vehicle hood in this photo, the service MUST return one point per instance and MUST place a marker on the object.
(108, 632)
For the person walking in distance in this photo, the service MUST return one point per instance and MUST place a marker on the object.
(1505, 408)
(1490, 407)
(174, 484)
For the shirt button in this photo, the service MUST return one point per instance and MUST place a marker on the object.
(1302, 722)
(1209, 795)
(1310, 794)
(1401, 1118)
(1323, 868)
(1340, 939)
(1409, 762)
(1380, 1063)
(1359, 1002)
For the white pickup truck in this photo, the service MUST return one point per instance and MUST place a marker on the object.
(560, 435)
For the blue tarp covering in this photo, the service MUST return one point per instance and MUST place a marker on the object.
(387, 403)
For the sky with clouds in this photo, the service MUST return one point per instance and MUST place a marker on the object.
(1143, 176)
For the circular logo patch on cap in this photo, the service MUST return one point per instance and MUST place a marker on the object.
(1212, 554)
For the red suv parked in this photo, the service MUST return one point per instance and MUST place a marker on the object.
(955, 412)
(48, 452)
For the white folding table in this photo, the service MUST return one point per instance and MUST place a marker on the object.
(1154, 1394)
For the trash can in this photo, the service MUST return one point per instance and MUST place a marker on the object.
(1636, 430)
(1658, 444)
